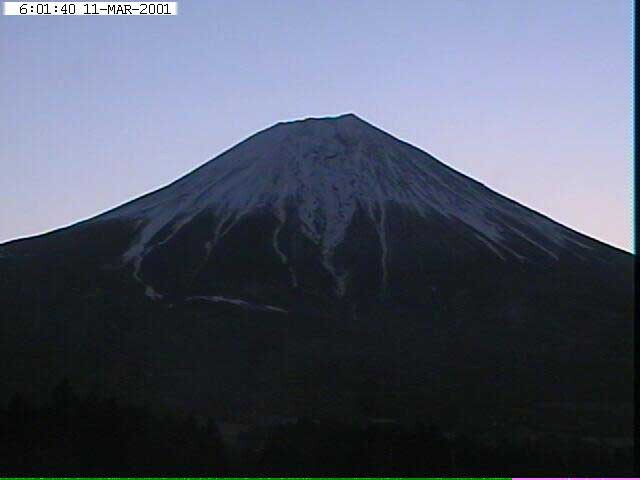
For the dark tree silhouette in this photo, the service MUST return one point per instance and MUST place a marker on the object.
(91, 436)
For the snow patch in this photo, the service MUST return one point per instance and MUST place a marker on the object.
(238, 302)
(282, 216)
(490, 245)
(151, 293)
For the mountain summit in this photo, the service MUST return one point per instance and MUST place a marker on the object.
(319, 195)
(315, 264)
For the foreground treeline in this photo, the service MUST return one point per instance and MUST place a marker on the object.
(87, 435)
(306, 448)
(95, 437)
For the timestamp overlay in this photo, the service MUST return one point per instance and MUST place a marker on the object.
(88, 8)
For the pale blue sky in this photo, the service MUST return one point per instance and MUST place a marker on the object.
(534, 99)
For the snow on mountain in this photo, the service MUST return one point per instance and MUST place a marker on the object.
(238, 302)
(322, 171)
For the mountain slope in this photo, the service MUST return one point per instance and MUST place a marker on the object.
(310, 181)
(329, 251)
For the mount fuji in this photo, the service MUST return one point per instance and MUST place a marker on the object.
(317, 263)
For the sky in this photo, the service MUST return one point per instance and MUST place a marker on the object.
(533, 99)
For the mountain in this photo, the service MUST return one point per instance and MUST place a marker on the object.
(325, 267)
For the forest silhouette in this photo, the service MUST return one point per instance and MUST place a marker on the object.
(71, 434)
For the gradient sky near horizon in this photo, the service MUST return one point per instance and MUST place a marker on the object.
(533, 99)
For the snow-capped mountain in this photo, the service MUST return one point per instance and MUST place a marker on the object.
(340, 254)
(311, 180)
